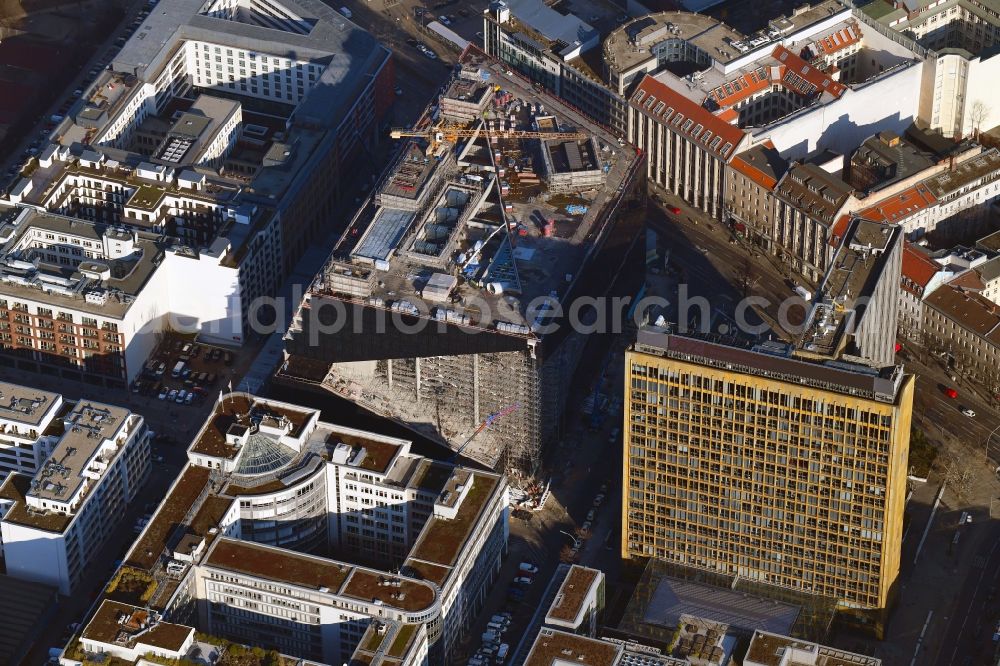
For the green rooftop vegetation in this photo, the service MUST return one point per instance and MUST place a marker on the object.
(402, 639)
(878, 9)
(147, 197)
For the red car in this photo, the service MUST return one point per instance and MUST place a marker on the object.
(951, 393)
(675, 210)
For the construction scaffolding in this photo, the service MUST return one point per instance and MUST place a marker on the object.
(447, 398)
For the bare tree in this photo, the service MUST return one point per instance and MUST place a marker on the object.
(978, 112)
(957, 474)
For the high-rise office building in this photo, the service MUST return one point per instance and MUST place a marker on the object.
(772, 462)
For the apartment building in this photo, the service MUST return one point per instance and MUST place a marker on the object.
(25, 438)
(920, 276)
(55, 521)
(964, 326)
(558, 51)
(801, 466)
(392, 565)
(748, 198)
(808, 201)
(961, 62)
(782, 84)
(88, 301)
(224, 138)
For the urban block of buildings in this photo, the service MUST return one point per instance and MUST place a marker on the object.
(780, 464)
(58, 509)
(214, 148)
(464, 269)
(960, 37)
(317, 541)
(696, 641)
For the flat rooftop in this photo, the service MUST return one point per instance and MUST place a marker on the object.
(238, 408)
(67, 286)
(631, 44)
(574, 589)
(769, 649)
(849, 281)
(191, 485)
(278, 564)
(556, 648)
(15, 490)
(126, 626)
(411, 171)
(389, 255)
(328, 576)
(89, 426)
(674, 598)
(774, 362)
(25, 405)
(443, 538)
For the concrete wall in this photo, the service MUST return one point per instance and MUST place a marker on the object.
(845, 123)
(35, 555)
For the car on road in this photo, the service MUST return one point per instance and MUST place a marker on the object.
(444, 20)
(522, 580)
(675, 210)
(528, 567)
(411, 41)
(968, 412)
(430, 54)
(950, 392)
(158, 458)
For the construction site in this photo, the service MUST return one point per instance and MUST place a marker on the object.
(443, 305)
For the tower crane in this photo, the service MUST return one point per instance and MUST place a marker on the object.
(487, 422)
(442, 132)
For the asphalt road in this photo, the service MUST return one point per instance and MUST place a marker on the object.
(971, 620)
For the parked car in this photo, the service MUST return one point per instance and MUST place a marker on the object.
(522, 580)
(172, 396)
(163, 394)
(181, 395)
(444, 20)
(227, 357)
(675, 210)
(430, 54)
(528, 567)
(591, 514)
(189, 398)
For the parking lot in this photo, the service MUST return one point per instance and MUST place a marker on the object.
(184, 371)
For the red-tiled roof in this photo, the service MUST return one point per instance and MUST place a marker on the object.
(797, 69)
(840, 39)
(753, 173)
(684, 117)
(969, 280)
(745, 85)
(900, 206)
(918, 268)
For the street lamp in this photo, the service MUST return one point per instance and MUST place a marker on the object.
(576, 541)
(986, 446)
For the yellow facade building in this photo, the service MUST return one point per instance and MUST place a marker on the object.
(750, 462)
